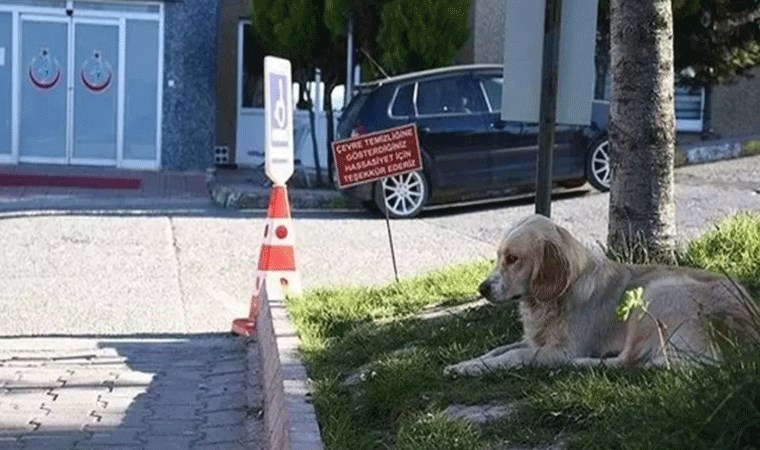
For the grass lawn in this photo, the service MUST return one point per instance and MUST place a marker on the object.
(376, 367)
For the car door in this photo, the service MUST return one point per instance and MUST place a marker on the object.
(513, 151)
(451, 114)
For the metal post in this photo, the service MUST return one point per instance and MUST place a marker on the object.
(349, 60)
(548, 113)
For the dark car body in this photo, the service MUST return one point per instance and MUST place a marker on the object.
(468, 152)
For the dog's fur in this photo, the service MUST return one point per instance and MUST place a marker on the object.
(568, 295)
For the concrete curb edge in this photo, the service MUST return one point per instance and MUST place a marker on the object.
(290, 420)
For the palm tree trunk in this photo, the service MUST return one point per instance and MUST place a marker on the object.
(642, 130)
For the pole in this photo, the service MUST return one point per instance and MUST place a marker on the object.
(390, 236)
(548, 113)
(349, 60)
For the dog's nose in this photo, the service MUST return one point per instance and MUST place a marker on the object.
(485, 289)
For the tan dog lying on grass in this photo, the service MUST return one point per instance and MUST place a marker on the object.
(568, 297)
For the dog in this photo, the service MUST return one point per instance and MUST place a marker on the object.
(568, 296)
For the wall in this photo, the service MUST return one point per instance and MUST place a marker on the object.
(488, 31)
(230, 14)
(736, 107)
(190, 65)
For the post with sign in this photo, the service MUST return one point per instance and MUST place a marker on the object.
(549, 73)
(377, 156)
(278, 118)
(276, 262)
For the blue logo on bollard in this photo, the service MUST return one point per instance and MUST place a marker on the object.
(278, 95)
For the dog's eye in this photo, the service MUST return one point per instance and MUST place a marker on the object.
(510, 259)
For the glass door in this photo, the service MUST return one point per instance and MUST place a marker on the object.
(95, 91)
(44, 77)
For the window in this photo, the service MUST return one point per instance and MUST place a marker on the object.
(454, 95)
(403, 104)
(252, 73)
(492, 88)
(689, 105)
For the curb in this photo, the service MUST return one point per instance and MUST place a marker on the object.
(290, 420)
(719, 150)
(240, 196)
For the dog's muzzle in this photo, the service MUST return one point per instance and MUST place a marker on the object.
(485, 289)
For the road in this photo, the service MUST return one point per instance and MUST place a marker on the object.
(107, 289)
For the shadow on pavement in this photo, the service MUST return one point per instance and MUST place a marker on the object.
(153, 391)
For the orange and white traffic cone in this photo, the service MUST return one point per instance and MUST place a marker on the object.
(277, 262)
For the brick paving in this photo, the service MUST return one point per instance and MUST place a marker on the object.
(179, 393)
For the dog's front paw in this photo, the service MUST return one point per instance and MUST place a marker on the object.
(466, 368)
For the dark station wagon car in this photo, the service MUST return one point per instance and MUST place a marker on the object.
(469, 153)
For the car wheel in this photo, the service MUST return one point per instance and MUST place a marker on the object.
(403, 196)
(598, 167)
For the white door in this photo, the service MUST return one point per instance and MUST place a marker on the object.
(95, 92)
(70, 85)
(44, 99)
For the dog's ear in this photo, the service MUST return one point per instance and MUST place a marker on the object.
(550, 274)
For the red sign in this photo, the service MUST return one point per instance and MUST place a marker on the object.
(378, 155)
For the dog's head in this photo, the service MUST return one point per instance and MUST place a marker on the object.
(537, 261)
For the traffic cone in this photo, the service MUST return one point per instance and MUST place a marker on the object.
(277, 262)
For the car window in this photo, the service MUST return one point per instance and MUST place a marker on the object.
(452, 95)
(403, 105)
(492, 87)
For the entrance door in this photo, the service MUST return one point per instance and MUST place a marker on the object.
(44, 95)
(70, 84)
(95, 92)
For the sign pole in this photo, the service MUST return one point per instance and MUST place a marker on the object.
(548, 111)
(390, 235)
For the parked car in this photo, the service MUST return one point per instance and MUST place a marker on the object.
(469, 152)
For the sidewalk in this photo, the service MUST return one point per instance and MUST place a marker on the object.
(130, 393)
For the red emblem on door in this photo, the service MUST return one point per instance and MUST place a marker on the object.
(96, 73)
(44, 70)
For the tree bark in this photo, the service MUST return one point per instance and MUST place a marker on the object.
(642, 131)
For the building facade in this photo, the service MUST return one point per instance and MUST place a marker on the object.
(113, 83)
(731, 109)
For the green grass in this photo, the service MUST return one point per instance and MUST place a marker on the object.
(751, 148)
(395, 358)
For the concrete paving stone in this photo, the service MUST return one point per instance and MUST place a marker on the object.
(217, 390)
(228, 366)
(223, 418)
(226, 402)
(61, 420)
(23, 401)
(125, 392)
(133, 379)
(52, 441)
(235, 378)
(106, 437)
(223, 446)
(129, 418)
(223, 434)
(173, 413)
(167, 442)
(167, 427)
(9, 443)
(78, 395)
(175, 397)
(122, 403)
(48, 379)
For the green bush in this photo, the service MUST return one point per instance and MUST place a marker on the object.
(732, 247)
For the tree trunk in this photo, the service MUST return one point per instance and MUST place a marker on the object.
(642, 131)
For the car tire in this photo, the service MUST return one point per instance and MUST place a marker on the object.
(407, 195)
(598, 167)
